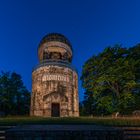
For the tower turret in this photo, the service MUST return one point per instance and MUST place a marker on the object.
(55, 46)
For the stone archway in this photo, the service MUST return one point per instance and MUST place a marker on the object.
(55, 110)
(55, 104)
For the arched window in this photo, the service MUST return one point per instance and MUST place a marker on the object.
(65, 56)
(55, 55)
(45, 55)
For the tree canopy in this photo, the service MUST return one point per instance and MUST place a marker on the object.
(14, 97)
(111, 81)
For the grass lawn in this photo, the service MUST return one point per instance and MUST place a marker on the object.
(123, 121)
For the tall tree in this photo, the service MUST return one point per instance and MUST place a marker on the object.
(111, 80)
(14, 97)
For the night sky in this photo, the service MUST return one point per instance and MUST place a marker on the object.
(90, 25)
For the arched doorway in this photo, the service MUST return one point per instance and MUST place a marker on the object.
(55, 110)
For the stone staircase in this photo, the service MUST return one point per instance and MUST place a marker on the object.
(2, 131)
(130, 133)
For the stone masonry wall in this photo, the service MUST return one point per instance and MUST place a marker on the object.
(54, 84)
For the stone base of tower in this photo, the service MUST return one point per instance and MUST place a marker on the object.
(54, 92)
(48, 114)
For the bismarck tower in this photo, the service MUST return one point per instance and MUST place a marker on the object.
(54, 80)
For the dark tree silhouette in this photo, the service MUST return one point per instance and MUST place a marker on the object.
(14, 97)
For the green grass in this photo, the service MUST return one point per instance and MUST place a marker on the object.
(125, 121)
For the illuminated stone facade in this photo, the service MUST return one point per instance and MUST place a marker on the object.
(54, 80)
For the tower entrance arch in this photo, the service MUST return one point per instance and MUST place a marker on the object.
(55, 110)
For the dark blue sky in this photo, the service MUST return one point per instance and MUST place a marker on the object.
(90, 25)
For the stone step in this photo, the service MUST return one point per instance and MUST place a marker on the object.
(65, 132)
(132, 137)
(2, 138)
(3, 131)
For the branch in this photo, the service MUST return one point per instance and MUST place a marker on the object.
(113, 88)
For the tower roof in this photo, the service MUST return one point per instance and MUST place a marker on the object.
(55, 37)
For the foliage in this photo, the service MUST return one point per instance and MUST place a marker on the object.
(14, 97)
(111, 81)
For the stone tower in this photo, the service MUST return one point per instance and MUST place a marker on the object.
(54, 80)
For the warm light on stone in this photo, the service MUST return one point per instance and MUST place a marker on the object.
(54, 80)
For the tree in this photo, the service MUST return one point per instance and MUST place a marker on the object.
(14, 97)
(112, 80)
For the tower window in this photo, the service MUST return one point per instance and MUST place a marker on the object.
(45, 55)
(55, 55)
